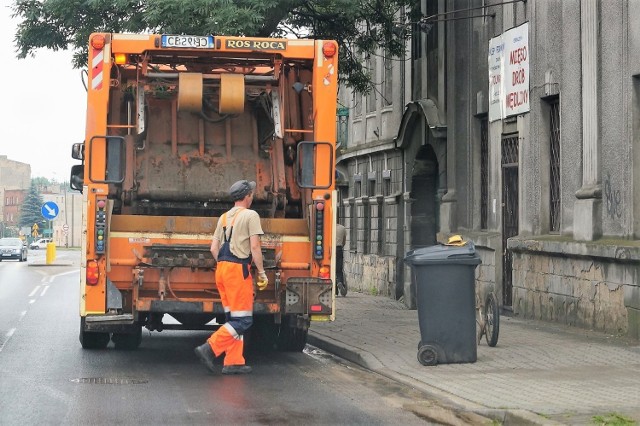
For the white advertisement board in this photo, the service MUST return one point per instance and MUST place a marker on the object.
(509, 73)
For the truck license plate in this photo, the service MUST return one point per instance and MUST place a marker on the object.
(189, 42)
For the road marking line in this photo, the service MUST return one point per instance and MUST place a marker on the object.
(44, 290)
(32, 301)
(9, 334)
(35, 290)
(53, 277)
(22, 314)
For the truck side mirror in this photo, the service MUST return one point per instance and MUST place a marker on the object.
(314, 160)
(76, 181)
(77, 151)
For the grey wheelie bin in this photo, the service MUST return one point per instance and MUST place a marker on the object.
(445, 287)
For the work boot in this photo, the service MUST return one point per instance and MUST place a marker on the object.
(206, 355)
(236, 369)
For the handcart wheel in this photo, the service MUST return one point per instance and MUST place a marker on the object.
(427, 355)
(491, 319)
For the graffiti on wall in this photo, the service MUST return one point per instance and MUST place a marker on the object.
(613, 199)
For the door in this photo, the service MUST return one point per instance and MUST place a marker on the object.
(509, 210)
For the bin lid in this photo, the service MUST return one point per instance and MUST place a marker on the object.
(441, 253)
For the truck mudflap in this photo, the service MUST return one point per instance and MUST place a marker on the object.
(123, 323)
(307, 296)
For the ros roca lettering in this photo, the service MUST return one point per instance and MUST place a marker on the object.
(255, 44)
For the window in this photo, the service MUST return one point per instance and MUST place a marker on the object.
(484, 171)
(371, 97)
(416, 40)
(357, 101)
(367, 207)
(357, 185)
(353, 227)
(387, 80)
(554, 164)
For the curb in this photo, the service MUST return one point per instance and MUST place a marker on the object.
(448, 401)
(50, 264)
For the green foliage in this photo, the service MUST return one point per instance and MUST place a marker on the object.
(613, 419)
(361, 27)
(30, 211)
(40, 183)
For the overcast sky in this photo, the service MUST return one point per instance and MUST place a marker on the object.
(44, 105)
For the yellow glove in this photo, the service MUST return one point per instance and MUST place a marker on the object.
(262, 281)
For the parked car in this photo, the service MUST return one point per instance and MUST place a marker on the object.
(40, 244)
(13, 248)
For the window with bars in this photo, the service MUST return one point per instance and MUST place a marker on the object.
(366, 207)
(353, 227)
(484, 171)
(554, 164)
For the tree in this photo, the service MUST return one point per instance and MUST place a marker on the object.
(361, 27)
(30, 211)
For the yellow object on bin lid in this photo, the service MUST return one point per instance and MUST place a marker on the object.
(455, 240)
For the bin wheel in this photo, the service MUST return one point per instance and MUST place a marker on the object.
(427, 355)
(491, 319)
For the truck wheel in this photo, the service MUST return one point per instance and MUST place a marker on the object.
(291, 339)
(90, 340)
(125, 341)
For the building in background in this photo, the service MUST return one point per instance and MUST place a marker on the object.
(66, 226)
(514, 124)
(12, 201)
(14, 177)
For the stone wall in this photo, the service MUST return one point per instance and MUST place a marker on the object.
(370, 274)
(578, 284)
(486, 272)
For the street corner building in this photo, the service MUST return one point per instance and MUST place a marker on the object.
(514, 124)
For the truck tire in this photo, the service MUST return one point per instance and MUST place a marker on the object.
(127, 341)
(91, 340)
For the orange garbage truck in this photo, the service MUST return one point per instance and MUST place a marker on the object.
(172, 121)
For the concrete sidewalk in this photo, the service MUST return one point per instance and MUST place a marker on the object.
(539, 373)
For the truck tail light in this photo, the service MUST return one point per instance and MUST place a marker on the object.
(329, 49)
(324, 273)
(120, 58)
(92, 272)
(98, 41)
(315, 308)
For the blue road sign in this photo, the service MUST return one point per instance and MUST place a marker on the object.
(49, 210)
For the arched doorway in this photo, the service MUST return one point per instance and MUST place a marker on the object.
(425, 207)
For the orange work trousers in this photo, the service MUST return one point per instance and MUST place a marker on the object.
(235, 285)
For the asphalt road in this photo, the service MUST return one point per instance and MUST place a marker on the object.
(47, 378)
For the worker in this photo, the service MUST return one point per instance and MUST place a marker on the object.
(341, 239)
(236, 242)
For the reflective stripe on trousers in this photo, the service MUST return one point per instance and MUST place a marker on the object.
(236, 291)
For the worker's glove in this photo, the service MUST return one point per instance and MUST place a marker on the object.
(262, 281)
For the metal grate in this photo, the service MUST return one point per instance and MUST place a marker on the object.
(109, 381)
(510, 203)
(554, 166)
(484, 172)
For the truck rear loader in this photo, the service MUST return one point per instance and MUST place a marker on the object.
(172, 121)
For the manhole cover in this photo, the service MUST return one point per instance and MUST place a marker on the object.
(109, 381)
